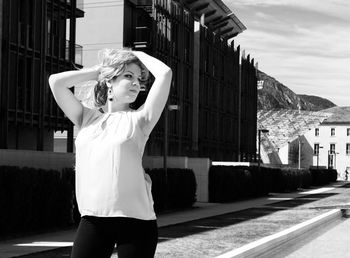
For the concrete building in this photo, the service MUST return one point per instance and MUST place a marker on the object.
(306, 139)
(212, 103)
(331, 141)
(37, 38)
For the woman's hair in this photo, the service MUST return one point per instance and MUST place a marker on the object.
(113, 64)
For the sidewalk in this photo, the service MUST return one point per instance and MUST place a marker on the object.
(332, 243)
(44, 242)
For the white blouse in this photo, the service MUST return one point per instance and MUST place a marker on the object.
(110, 179)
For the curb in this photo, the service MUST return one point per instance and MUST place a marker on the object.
(270, 245)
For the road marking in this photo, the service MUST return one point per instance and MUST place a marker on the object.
(243, 251)
(47, 244)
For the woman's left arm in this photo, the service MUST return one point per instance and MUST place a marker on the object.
(158, 95)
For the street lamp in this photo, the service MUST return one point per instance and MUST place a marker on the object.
(259, 143)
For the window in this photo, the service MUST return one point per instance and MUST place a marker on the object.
(332, 131)
(332, 148)
(348, 131)
(317, 131)
(348, 149)
(316, 148)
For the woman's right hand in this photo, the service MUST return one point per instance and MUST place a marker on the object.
(97, 69)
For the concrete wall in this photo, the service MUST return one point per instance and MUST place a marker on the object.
(37, 159)
(200, 166)
(101, 27)
(283, 153)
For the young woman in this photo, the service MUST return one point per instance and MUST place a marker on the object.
(113, 192)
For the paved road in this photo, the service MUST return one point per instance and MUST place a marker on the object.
(334, 243)
(215, 235)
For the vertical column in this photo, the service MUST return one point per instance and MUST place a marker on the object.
(72, 24)
(196, 67)
(4, 56)
(43, 48)
(239, 104)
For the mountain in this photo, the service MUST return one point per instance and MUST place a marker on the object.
(322, 103)
(340, 115)
(275, 95)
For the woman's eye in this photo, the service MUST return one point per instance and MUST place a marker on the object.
(128, 76)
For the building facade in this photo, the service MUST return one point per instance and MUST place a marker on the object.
(37, 38)
(331, 141)
(209, 111)
(307, 139)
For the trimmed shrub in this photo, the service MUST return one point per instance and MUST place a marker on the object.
(33, 199)
(178, 191)
(228, 183)
(322, 176)
(289, 179)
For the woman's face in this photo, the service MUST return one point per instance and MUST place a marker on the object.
(126, 86)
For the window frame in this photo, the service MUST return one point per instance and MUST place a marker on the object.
(316, 149)
(317, 132)
(332, 131)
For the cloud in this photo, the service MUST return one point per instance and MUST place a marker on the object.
(303, 44)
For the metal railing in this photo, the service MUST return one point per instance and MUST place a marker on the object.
(80, 4)
(78, 53)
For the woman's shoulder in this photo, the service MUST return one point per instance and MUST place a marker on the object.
(89, 115)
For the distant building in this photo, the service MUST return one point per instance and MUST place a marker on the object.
(331, 141)
(311, 139)
(215, 97)
(37, 38)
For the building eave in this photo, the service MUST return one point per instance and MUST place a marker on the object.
(217, 16)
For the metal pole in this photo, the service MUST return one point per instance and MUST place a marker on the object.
(239, 102)
(165, 166)
(259, 139)
(299, 152)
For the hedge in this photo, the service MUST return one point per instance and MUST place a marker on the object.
(323, 176)
(229, 183)
(178, 192)
(33, 200)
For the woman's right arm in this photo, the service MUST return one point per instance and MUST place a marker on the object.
(60, 84)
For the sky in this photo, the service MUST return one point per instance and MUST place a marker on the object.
(304, 44)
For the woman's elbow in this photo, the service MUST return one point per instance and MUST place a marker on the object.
(168, 72)
(52, 80)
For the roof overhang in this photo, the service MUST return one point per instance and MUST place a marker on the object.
(217, 16)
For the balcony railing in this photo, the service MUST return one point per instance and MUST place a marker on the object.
(80, 4)
(78, 53)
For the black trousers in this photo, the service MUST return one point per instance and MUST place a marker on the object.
(97, 236)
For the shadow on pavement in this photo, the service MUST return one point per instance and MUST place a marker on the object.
(228, 219)
(203, 225)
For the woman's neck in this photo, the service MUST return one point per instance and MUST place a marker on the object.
(112, 107)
